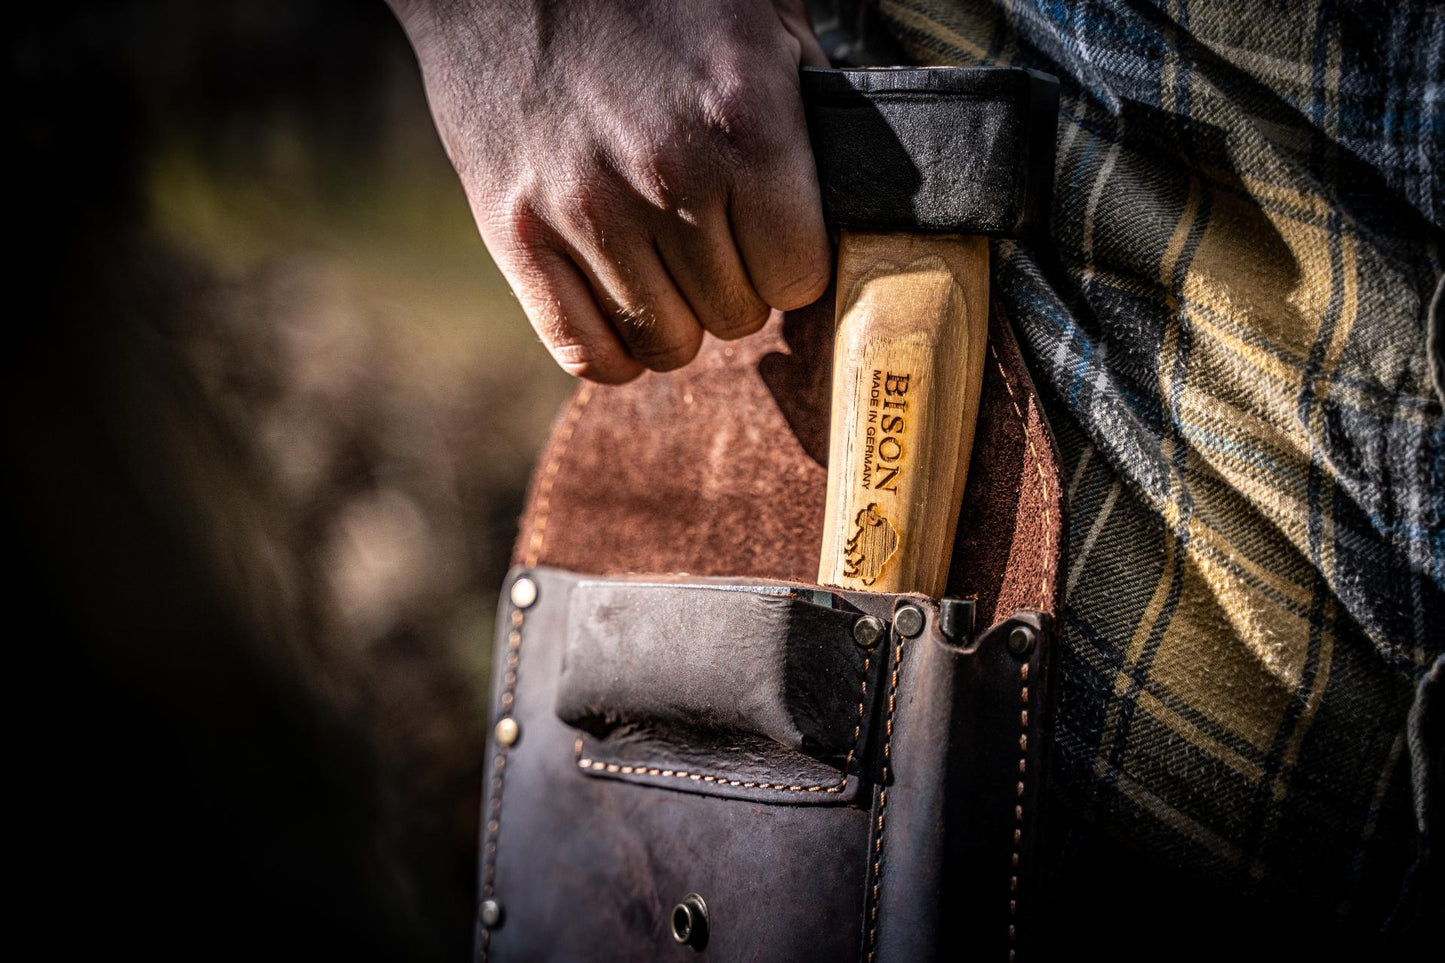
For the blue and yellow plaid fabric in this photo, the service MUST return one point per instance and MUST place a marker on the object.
(1233, 325)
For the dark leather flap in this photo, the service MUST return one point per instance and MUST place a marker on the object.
(760, 694)
(936, 850)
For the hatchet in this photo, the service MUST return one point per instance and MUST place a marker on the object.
(918, 168)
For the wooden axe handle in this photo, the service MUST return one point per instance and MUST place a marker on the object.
(908, 354)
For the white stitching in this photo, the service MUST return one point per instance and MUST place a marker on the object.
(1013, 883)
(1048, 525)
(883, 806)
(549, 475)
(1044, 595)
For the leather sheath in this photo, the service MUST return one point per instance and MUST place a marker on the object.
(694, 714)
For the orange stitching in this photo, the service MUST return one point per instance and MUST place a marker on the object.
(1048, 524)
(1013, 882)
(883, 806)
(549, 475)
(499, 770)
(646, 770)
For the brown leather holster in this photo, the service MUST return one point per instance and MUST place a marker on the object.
(684, 713)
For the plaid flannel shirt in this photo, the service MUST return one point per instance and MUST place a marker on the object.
(1232, 326)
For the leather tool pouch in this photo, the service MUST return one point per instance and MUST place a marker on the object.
(723, 752)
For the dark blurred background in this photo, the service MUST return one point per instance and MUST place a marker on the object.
(268, 421)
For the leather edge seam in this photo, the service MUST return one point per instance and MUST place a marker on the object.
(877, 867)
(1046, 526)
(493, 826)
(538, 539)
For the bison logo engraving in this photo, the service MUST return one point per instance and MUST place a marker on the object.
(873, 543)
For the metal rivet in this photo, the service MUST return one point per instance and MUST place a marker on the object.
(490, 913)
(868, 630)
(524, 592)
(507, 731)
(908, 620)
(689, 921)
(1021, 640)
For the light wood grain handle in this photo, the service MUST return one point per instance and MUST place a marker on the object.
(908, 353)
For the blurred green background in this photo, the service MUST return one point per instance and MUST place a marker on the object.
(270, 413)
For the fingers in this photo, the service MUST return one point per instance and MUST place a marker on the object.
(704, 262)
(558, 300)
(642, 301)
(608, 307)
(777, 218)
(609, 302)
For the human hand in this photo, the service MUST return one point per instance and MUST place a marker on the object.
(640, 171)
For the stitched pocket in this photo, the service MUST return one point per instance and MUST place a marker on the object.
(758, 692)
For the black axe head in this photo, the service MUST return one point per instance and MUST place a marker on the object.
(962, 150)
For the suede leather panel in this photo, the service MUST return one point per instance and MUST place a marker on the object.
(719, 469)
(1008, 553)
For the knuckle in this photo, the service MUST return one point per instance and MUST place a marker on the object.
(730, 111)
(607, 365)
(583, 199)
(606, 368)
(575, 358)
(663, 178)
(588, 205)
(733, 315)
(798, 282)
(658, 348)
(674, 172)
(515, 226)
(626, 302)
(740, 323)
(811, 285)
(799, 292)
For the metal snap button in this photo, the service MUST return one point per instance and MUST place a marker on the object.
(689, 921)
